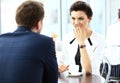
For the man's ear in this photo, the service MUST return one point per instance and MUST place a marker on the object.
(39, 26)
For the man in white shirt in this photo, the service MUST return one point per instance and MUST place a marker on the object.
(113, 47)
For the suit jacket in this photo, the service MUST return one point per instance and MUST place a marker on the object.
(27, 57)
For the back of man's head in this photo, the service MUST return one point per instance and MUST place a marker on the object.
(29, 13)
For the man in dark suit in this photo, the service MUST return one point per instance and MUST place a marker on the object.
(25, 55)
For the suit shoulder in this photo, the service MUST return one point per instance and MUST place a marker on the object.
(44, 37)
(41, 38)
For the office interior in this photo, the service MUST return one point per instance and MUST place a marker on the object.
(57, 18)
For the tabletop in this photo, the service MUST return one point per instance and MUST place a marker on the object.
(80, 79)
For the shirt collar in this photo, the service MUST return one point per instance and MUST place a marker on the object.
(22, 29)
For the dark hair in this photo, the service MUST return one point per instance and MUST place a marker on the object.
(29, 13)
(118, 13)
(82, 6)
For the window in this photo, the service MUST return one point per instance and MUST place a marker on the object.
(57, 18)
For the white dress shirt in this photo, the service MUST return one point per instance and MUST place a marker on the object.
(96, 51)
(113, 44)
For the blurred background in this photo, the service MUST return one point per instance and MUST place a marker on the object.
(57, 20)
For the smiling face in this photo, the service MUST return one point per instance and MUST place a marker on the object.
(79, 18)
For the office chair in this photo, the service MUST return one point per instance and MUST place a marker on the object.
(113, 53)
(115, 74)
(105, 69)
(114, 79)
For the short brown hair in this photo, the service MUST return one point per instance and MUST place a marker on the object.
(82, 6)
(29, 13)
